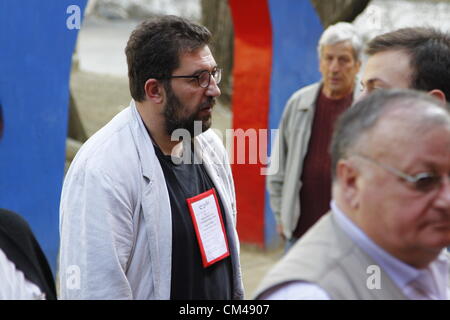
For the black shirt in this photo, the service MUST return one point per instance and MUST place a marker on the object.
(189, 279)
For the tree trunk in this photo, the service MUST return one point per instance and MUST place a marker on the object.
(332, 11)
(216, 17)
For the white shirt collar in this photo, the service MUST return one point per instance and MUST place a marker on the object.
(401, 273)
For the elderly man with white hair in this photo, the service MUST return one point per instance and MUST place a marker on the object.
(300, 188)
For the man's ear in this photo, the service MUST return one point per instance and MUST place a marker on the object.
(154, 91)
(438, 94)
(347, 175)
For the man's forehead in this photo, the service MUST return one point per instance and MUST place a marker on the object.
(391, 68)
(197, 60)
(338, 48)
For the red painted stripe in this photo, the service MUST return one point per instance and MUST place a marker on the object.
(251, 89)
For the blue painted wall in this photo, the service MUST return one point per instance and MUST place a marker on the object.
(296, 30)
(36, 49)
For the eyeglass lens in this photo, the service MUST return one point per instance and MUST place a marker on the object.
(428, 183)
(204, 77)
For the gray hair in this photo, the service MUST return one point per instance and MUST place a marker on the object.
(339, 32)
(352, 126)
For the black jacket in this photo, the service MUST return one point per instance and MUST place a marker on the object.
(21, 247)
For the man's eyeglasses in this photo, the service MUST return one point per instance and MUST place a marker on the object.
(204, 77)
(423, 182)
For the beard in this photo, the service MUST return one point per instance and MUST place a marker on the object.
(175, 118)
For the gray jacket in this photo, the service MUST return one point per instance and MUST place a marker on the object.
(327, 256)
(115, 215)
(288, 153)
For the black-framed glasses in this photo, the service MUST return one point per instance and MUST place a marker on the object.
(204, 77)
(423, 182)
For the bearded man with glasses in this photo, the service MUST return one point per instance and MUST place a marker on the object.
(389, 225)
(148, 207)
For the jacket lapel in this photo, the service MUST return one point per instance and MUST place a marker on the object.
(155, 207)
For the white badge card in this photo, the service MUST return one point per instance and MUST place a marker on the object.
(209, 227)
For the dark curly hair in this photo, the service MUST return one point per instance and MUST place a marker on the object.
(154, 48)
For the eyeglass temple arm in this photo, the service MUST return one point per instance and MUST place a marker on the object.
(395, 171)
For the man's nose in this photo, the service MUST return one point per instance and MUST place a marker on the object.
(334, 65)
(213, 89)
(443, 200)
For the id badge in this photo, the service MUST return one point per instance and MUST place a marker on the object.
(209, 227)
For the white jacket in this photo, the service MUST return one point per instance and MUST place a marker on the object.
(115, 215)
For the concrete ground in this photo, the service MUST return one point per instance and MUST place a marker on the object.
(255, 263)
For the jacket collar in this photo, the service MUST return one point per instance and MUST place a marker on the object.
(309, 97)
(143, 142)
